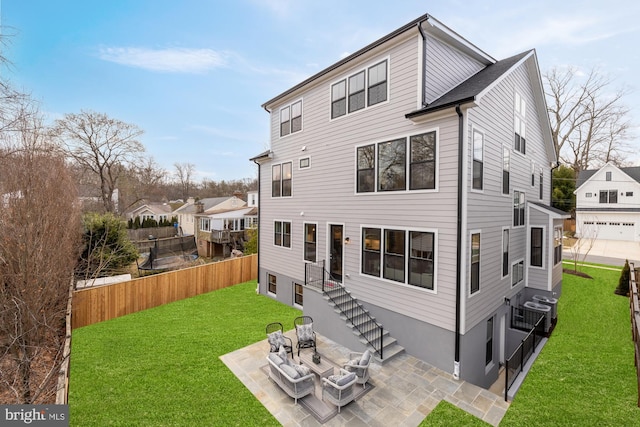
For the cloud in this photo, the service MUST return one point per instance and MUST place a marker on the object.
(171, 60)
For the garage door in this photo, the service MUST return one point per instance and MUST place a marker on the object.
(609, 230)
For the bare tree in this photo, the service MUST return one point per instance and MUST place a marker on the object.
(145, 181)
(102, 145)
(184, 175)
(589, 121)
(39, 219)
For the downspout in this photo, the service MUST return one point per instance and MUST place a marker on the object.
(459, 293)
(551, 183)
(258, 239)
(424, 63)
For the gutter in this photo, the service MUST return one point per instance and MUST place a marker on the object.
(459, 293)
(258, 239)
(424, 64)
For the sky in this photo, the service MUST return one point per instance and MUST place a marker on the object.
(193, 74)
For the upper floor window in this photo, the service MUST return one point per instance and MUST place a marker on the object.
(557, 245)
(517, 272)
(608, 196)
(588, 195)
(608, 176)
(385, 168)
(536, 246)
(629, 194)
(533, 174)
(282, 234)
(478, 165)
(519, 124)
(364, 88)
(281, 177)
(475, 263)
(291, 118)
(506, 154)
(505, 252)
(540, 184)
(518, 208)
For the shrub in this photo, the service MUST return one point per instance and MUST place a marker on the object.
(623, 283)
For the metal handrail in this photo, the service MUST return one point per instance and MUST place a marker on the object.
(318, 277)
(523, 352)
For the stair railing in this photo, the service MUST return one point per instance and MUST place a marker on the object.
(318, 277)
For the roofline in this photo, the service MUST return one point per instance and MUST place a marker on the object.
(446, 106)
(413, 24)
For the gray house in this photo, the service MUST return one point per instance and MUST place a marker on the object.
(409, 183)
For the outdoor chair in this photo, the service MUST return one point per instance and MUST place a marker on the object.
(359, 364)
(276, 338)
(338, 389)
(304, 333)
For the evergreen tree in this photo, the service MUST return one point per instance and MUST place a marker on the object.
(623, 283)
(564, 184)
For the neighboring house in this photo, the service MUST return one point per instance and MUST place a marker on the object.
(156, 211)
(608, 203)
(417, 170)
(218, 223)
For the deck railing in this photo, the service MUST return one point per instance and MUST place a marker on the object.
(520, 356)
(634, 308)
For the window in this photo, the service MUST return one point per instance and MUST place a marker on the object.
(536, 246)
(557, 245)
(478, 143)
(505, 170)
(371, 251)
(305, 163)
(519, 124)
(383, 166)
(282, 234)
(291, 118)
(205, 224)
(489, 347)
(391, 165)
(366, 169)
(271, 279)
(281, 180)
(505, 252)
(475, 263)
(339, 99)
(608, 176)
(297, 294)
(310, 246)
(422, 161)
(394, 264)
(377, 90)
(588, 195)
(541, 184)
(517, 273)
(533, 174)
(356, 92)
(415, 267)
(629, 194)
(518, 208)
(365, 88)
(608, 196)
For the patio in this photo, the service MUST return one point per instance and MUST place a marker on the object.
(405, 390)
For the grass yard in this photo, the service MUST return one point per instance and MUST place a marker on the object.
(160, 367)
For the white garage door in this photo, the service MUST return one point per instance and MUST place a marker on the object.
(609, 230)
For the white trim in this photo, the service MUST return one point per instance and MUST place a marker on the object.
(469, 256)
(281, 180)
(289, 105)
(300, 168)
(465, 223)
(273, 243)
(328, 246)
(304, 240)
(502, 277)
(474, 129)
(524, 275)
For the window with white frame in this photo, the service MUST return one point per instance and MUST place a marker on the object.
(392, 166)
(557, 245)
(505, 252)
(475, 263)
(518, 208)
(291, 118)
(205, 224)
(365, 88)
(540, 184)
(407, 256)
(533, 174)
(478, 164)
(282, 234)
(519, 124)
(536, 246)
(281, 179)
(506, 159)
(272, 283)
(310, 245)
(517, 273)
(608, 176)
(488, 358)
(608, 196)
(298, 294)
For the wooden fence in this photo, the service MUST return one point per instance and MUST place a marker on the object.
(634, 307)
(92, 305)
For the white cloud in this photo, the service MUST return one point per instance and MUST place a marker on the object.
(172, 60)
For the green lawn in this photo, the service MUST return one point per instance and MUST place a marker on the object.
(161, 367)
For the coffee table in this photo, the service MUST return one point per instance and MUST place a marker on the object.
(322, 369)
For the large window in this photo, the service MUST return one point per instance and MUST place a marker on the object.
(505, 252)
(489, 343)
(517, 272)
(475, 263)
(536, 246)
(478, 164)
(608, 196)
(506, 160)
(557, 245)
(291, 118)
(205, 224)
(281, 179)
(518, 208)
(272, 283)
(383, 166)
(282, 234)
(519, 124)
(310, 246)
(408, 256)
(365, 88)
